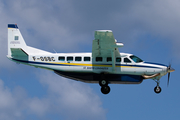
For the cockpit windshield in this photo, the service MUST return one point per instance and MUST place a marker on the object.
(136, 59)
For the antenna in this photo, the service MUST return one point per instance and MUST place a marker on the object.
(55, 51)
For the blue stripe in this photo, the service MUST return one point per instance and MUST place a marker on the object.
(155, 63)
(43, 63)
(132, 65)
(137, 66)
(12, 26)
(23, 61)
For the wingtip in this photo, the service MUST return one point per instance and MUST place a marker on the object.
(104, 30)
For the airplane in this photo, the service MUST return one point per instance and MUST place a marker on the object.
(105, 65)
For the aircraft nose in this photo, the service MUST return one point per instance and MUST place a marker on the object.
(170, 69)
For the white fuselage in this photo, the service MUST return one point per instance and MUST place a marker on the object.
(84, 63)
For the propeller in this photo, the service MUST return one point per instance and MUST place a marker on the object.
(168, 79)
(169, 69)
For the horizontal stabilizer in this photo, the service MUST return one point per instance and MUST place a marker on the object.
(18, 53)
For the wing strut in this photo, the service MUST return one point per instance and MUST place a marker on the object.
(113, 61)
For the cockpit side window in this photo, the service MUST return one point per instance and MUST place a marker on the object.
(126, 60)
(136, 59)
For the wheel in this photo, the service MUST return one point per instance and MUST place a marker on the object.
(157, 89)
(105, 89)
(103, 83)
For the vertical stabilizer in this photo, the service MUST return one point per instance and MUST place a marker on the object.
(15, 39)
(17, 48)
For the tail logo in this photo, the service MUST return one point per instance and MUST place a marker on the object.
(14, 42)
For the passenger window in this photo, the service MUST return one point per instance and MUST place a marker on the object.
(69, 58)
(87, 58)
(98, 59)
(61, 58)
(77, 58)
(126, 60)
(109, 59)
(118, 59)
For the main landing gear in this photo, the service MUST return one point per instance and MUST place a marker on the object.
(157, 89)
(105, 89)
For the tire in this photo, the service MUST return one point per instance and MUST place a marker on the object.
(157, 89)
(105, 89)
(103, 83)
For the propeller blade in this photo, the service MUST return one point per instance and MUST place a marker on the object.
(168, 79)
(169, 69)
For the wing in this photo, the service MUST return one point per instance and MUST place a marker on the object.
(104, 44)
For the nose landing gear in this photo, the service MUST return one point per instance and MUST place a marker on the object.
(157, 89)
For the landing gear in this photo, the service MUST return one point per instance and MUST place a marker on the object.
(105, 89)
(157, 89)
(103, 82)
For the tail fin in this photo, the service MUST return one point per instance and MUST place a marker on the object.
(15, 39)
(17, 47)
(16, 43)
